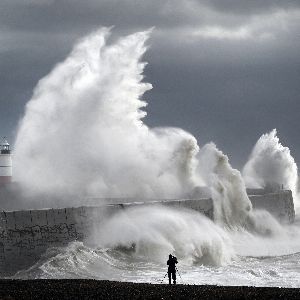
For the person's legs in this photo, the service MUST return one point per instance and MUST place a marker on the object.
(169, 275)
(174, 277)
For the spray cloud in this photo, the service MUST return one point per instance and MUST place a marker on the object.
(154, 232)
(231, 203)
(270, 163)
(83, 131)
(83, 134)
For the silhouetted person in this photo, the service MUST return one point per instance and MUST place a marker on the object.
(172, 261)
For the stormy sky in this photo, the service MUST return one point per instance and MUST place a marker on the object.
(226, 71)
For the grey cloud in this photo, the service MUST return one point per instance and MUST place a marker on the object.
(246, 7)
(56, 16)
(226, 90)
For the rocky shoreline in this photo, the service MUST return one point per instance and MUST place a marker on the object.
(96, 289)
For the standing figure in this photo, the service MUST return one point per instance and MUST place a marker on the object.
(172, 261)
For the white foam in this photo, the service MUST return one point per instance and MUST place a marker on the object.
(154, 232)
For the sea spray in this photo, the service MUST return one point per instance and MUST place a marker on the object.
(232, 207)
(267, 238)
(231, 203)
(83, 134)
(271, 164)
(153, 232)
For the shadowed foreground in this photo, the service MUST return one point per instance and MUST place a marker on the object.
(94, 289)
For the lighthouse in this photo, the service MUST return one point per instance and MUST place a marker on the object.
(5, 163)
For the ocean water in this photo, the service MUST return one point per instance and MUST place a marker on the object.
(255, 260)
(80, 261)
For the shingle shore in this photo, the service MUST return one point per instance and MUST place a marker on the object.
(96, 289)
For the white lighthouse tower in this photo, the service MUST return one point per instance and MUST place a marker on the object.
(5, 163)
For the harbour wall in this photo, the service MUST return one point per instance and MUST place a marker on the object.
(26, 235)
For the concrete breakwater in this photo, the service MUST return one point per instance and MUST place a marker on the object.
(26, 234)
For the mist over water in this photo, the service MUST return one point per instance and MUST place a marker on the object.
(83, 135)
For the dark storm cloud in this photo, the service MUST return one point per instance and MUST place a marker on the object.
(53, 16)
(247, 7)
(227, 71)
(50, 15)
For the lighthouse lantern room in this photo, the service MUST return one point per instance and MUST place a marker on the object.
(5, 163)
